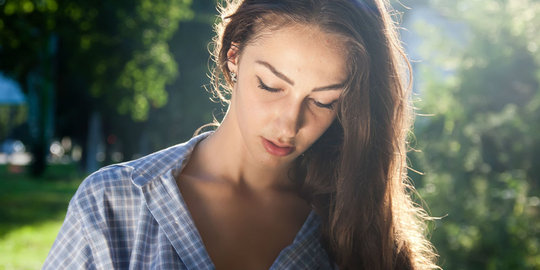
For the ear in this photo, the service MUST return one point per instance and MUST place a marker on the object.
(232, 57)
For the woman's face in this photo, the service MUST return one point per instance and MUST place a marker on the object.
(288, 84)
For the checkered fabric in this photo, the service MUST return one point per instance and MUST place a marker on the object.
(132, 216)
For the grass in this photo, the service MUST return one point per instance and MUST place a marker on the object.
(27, 247)
(31, 213)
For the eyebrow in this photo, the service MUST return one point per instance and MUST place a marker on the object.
(274, 70)
(338, 86)
(291, 82)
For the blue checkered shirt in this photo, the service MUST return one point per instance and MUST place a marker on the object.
(132, 216)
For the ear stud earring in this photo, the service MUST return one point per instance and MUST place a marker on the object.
(234, 79)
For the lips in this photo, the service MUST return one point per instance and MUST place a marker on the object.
(275, 149)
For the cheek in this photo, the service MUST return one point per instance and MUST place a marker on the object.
(251, 110)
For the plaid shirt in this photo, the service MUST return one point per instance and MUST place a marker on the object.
(132, 216)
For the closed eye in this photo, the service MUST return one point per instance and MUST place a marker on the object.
(266, 87)
(329, 106)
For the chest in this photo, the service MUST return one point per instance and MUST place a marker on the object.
(245, 244)
(241, 232)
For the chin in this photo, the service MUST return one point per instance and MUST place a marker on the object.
(269, 160)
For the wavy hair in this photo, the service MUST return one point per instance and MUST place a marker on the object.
(354, 175)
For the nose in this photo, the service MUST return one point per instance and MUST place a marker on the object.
(290, 119)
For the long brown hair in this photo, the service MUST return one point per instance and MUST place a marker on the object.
(354, 176)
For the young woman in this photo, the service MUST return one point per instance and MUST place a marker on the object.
(306, 170)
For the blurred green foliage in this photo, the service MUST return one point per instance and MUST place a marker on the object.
(10, 116)
(480, 150)
(118, 49)
(140, 64)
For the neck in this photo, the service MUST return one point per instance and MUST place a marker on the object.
(223, 157)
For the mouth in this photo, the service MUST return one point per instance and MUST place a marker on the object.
(277, 150)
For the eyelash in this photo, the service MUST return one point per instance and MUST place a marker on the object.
(265, 87)
(329, 106)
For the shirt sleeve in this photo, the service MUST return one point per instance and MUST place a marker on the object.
(70, 250)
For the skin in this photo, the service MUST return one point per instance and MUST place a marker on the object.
(238, 193)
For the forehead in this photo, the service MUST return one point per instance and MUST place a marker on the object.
(300, 51)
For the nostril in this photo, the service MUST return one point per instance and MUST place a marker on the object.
(285, 142)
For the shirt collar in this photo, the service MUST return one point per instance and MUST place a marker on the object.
(154, 175)
(154, 165)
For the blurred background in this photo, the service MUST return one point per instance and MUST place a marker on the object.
(88, 83)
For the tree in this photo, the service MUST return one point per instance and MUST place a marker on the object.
(480, 149)
(188, 104)
(112, 57)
